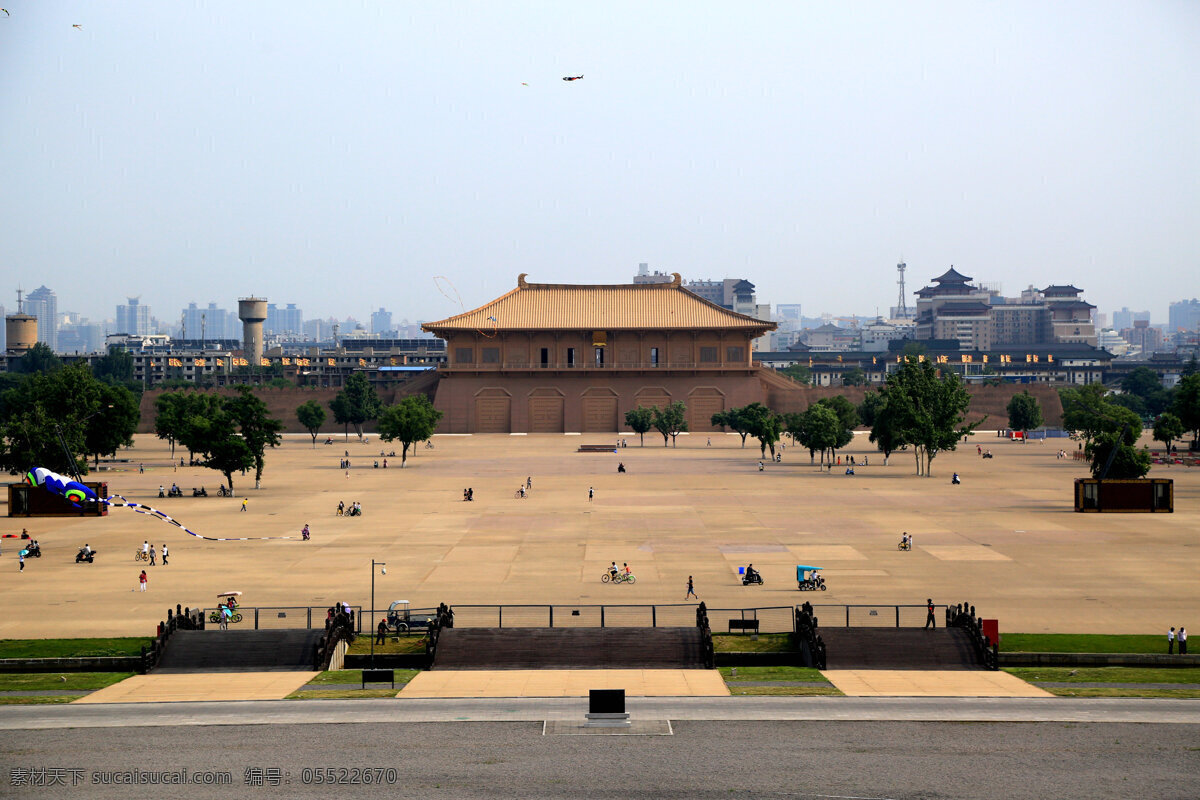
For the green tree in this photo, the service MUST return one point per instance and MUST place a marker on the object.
(115, 366)
(929, 411)
(312, 417)
(356, 403)
(1129, 462)
(847, 416)
(1192, 367)
(640, 420)
(1024, 412)
(37, 359)
(734, 419)
(763, 424)
(166, 418)
(1186, 406)
(214, 438)
(869, 408)
(854, 377)
(259, 430)
(818, 430)
(1167, 428)
(887, 425)
(44, 419)
(114, 422)
(413, 419)
(798, 372)
(1145, 383)
(670, 421)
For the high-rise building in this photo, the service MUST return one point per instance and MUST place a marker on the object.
(318, 330)
(3, 338)
(210, 324)
(1184, 316)
(284, 321)
(644, 275)
(1143, 337)
(43, 304)
(134, 318)
(1125, 318)
(381, 322)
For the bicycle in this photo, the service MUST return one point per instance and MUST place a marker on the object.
(140, 555)
(428, 445)
(620, 577)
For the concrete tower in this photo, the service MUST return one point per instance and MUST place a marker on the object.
(20, 330)
(252, 311)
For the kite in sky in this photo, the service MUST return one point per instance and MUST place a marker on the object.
(80, 27)
(78, 494)
(576, 78)
(5, 10)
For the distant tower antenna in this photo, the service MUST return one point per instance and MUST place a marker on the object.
(20, 302)
(183, 326)
(202, 331)
(902, 306)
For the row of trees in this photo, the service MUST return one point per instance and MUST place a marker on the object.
(413, 419)
(670, 421)
(56, 416)
(228, 434)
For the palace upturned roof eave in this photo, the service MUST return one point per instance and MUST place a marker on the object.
(608, 307)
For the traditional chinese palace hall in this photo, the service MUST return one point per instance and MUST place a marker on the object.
(550, 357)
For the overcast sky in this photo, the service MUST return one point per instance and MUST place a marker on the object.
(341, 155)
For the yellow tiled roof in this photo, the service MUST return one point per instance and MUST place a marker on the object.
(626, 306)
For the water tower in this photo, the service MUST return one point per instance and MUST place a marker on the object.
(20, 330)
(252, 311)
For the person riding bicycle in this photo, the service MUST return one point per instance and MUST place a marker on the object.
(613, 571)
(626, 571)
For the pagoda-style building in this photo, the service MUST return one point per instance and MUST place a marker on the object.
(548, 358)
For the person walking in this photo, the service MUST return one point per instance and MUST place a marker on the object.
(1171, 641)
(691, 592)
(21, 560)
(1182, 641)
(244, 501)
(142, 580)
(930, 621)
(381, 631)
(153, 555)
(164, 554)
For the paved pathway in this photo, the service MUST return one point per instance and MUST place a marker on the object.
(757, 709)
(196, 686)
(923, 683)
(565, 683)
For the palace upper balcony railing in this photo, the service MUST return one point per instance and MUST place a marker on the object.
(525, 366)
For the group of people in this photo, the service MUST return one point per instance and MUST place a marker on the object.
(1180, 637)
(614, 571)
(355, 510)
(149, 553)
(468, 494)
(906, 541)
(174, 491)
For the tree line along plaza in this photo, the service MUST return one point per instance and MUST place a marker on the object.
(686, 385)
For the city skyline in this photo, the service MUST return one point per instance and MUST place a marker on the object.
(164, 146)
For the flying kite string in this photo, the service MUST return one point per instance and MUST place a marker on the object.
(78, 494)
(437, 281)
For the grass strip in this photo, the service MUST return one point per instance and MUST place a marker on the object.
(772, 674)
(73, 648)
(1107, 674)
(348, 694)
(1105, 691)
(37, 700)
(746, 643)
(349, 676)
(394, 645)
(786, 691)
(41, 681)
(1082, 643)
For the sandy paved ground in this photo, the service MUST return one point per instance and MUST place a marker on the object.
(1007, 539)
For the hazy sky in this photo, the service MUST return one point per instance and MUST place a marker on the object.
(340, 155)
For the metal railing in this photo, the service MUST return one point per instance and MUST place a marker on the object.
(772, 619)
(962, 616)
(872, 616)
(286, 617)
(181, 619)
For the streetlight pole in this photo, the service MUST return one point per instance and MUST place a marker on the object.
(374, 564)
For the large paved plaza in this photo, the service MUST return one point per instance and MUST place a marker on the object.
(1007, 539)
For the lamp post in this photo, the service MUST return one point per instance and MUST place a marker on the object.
(383, 570)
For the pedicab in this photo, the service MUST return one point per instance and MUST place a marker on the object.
(231, 602)
(809, 578)
(401, 619)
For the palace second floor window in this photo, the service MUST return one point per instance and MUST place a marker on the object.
(464, 355)
(708, 355)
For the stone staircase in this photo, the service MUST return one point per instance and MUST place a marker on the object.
(239, 651)
(569, 648)
(898, 648)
